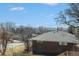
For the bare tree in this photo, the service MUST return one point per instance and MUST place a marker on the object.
(25, 33)
(41, 30)
(5, 36)
(70, 16)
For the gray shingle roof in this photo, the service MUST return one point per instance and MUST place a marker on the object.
(59, 36)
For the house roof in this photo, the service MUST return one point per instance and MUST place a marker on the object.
(59, 36)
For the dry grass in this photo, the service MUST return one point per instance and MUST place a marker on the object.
(17, 50)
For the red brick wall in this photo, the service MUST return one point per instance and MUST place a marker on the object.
(49, 47)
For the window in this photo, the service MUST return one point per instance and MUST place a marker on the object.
(62, 43)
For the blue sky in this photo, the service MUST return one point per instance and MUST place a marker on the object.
(34, 14)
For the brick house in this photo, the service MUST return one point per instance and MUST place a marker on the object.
(53, 43)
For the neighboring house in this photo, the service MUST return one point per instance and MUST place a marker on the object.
(53, 43)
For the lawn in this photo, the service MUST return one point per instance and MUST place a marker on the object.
(17, 49)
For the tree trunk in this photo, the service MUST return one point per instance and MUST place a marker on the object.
(28, 46)
(4, 48)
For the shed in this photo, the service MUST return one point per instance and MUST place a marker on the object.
(53, 43)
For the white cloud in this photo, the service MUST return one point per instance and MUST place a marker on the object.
(50, 15)
(52, 4)
(16, 8)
